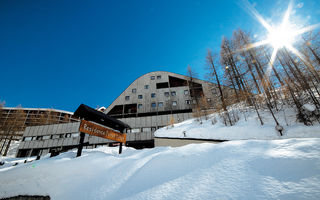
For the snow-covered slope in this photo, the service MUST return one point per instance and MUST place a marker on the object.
(248, 127)
(252, 169)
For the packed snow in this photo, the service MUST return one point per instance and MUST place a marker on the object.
(248, 127)
(251, 169)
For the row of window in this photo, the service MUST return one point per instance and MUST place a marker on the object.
(160, 104)
(47, 137)
(154, 77)
(144, 129)
(153, 95)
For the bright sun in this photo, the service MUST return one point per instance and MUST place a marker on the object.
(282, 36)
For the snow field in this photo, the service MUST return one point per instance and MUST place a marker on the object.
(252, 169)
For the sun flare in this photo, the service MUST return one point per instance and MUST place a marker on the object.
(282, 36)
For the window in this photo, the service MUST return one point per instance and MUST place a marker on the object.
(146, 87)
(139, 106)
(55, 136)
(153, 105)
(39, 137)
(162, 85)
(173, 93)
(152, 77)
(61, 135)
(75, 135)
(158, 77)
(134, 90)
(174, 103)
(186, 92)
(166, 94)
(46, 137)
(27, 138)
(68, 135)
(153, 95)
(153, 128)
(135, 130)
(127, 98)
(188, 102)
(160, 104)
(139, 96)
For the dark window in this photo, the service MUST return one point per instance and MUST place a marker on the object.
(160, 104)
(39, 137)
(118, 109)
(153, 105)
(127, 98)
(68, 135)
(130, 108)
(134, 90)
(188, 102)
(177, 82)
(146, 87)
(173, 93)
(153, 129)
(139, 106)
(162, 85)
(166, 94)
(153, 95)
(195, 89)
(152, 77)
(158, 77)
(139, 96)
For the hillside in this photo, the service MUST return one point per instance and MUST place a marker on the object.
(247, 126)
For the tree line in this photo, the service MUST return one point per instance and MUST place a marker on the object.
(261, 80)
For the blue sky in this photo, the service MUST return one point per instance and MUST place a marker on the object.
(58, 54)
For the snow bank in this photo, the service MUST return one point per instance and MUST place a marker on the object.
(252, 169)
(248, 127)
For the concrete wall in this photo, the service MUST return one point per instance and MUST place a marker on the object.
(47, 137)
(181, 97)
(176, 142)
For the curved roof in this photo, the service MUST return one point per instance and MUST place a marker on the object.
(146, 75)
